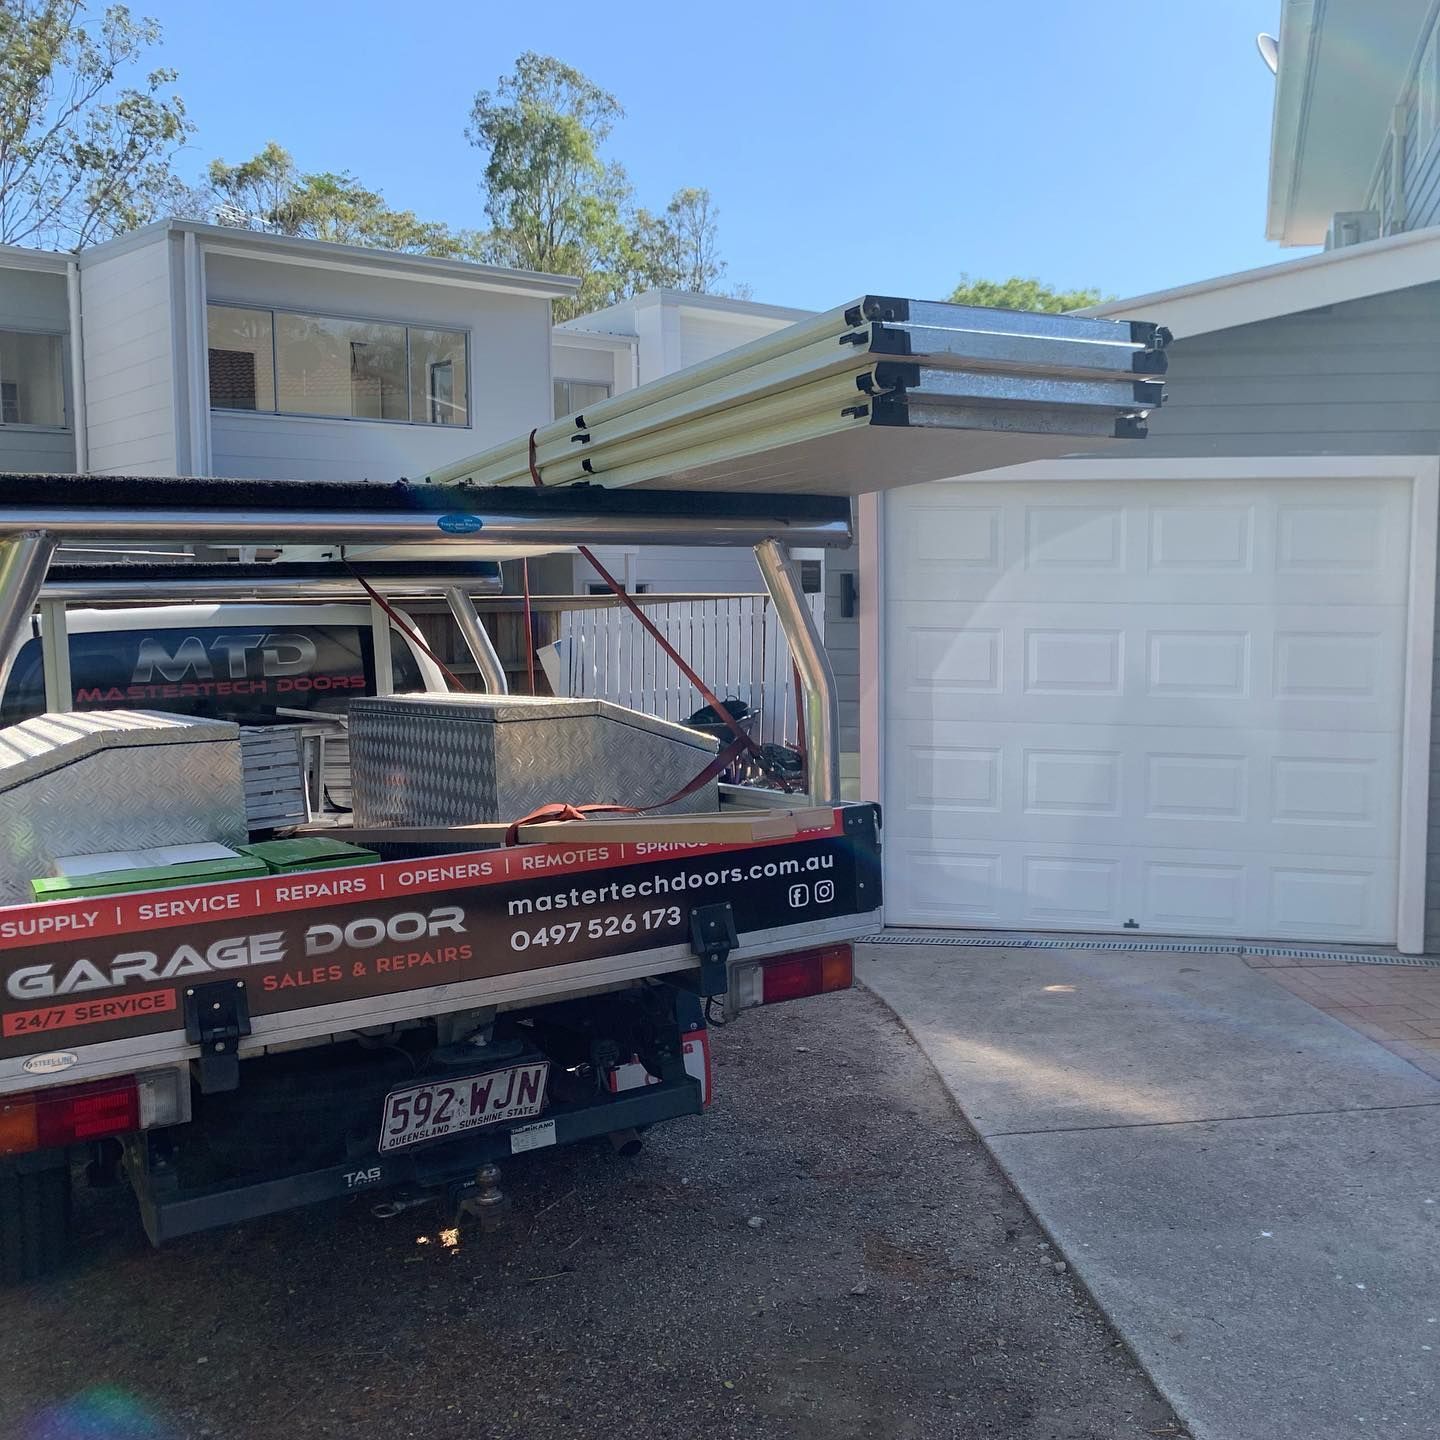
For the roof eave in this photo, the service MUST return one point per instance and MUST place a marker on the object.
(21, 257)
(1296, 42)
(1333, 277)
(325, 254)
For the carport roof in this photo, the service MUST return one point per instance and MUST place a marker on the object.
(1396, 262)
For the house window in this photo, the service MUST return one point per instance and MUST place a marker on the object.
(573, 395)
(343, 368)
(437, 376)
(242, 358)
(288, 363)
(32, 379)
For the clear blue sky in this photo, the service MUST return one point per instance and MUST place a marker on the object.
(1087, 142)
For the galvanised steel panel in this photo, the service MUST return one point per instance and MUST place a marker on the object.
(450, 759)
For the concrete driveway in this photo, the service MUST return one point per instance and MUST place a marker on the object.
(1248, 1187)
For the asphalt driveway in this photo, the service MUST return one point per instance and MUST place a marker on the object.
(830, 1253)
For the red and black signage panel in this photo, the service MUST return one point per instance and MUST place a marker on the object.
(113, 967)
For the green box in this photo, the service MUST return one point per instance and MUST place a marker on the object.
(307, 852)
(151, 877)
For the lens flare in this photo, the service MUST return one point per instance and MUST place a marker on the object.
(102, 1413)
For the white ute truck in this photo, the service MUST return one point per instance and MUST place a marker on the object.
(237, 1017)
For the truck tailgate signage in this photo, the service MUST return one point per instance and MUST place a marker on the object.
(114, 967)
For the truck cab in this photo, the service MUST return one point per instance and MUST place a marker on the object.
(250, 663)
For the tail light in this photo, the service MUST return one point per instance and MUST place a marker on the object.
(792, 976)
(71, 1114)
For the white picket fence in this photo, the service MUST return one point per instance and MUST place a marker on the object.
(734, 642)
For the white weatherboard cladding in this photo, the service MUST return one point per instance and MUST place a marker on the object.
(130, 364)
(1172, 707)
(508, 369)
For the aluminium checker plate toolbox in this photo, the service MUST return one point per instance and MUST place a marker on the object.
(450, 759)
(90, 781)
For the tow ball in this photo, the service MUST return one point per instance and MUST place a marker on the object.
(478, 1201)
(482, 1201)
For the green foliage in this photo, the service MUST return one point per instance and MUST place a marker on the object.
(83, 154)
(556, 204)
(251, 194)
(268, 192)
(1021, 294)
(679, 249)
(86, 143)
(551, 199)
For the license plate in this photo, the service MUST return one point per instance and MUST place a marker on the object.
(448, 1107)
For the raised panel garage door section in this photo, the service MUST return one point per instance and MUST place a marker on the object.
(1171, 707)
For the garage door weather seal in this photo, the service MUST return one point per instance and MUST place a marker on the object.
(1020, 940)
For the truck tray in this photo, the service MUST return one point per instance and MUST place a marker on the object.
(111, 984)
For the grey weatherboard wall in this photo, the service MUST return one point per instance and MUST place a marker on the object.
(1420, 167)
(1359, 378)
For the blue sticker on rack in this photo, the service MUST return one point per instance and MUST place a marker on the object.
(458, 524)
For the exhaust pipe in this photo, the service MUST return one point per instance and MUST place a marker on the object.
(626, 1142)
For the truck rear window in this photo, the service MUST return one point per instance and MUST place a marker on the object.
(240, 673)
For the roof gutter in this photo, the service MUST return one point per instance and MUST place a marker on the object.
(1332, 277)
(1293, 86)
(79, 424)
(327, 255)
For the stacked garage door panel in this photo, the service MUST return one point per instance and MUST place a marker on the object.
(1165, 707)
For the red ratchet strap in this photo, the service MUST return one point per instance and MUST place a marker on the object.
(398, 622)
(558, 810)
(741, 738)
(547, 814)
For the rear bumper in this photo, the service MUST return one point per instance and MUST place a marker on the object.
(170, 1211)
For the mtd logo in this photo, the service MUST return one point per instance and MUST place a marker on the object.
(280, 653)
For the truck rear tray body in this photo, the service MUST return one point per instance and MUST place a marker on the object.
(98, 986)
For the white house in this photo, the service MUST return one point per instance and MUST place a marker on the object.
(195, 349)
(630, 344)
(1188, 690)
(186, 348)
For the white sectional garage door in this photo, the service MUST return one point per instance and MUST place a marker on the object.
(1171, 707)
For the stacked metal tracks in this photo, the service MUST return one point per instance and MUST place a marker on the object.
(864, 397)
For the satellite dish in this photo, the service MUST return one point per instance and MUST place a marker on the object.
(1269, 48)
